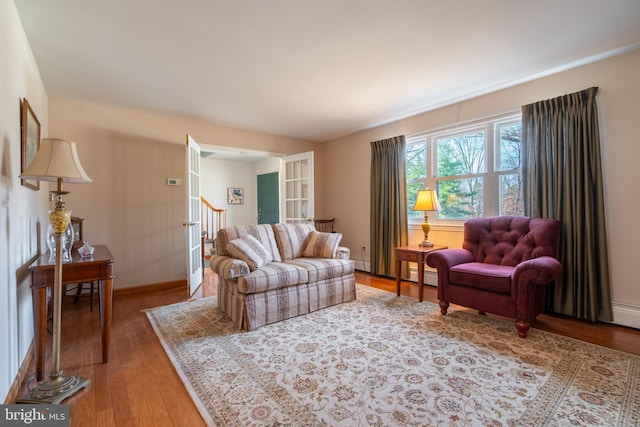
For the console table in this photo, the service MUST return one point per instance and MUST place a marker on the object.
(417, 254)
(98, 268)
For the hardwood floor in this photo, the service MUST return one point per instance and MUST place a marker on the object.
(139, 387)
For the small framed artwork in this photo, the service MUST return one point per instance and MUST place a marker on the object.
(235, 196)
(30, 141)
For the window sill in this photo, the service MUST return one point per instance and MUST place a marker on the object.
(438, 227)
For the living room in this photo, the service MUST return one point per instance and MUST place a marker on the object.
(130, 152)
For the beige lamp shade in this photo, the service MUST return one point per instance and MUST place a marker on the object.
(56, 159)
(427, 200)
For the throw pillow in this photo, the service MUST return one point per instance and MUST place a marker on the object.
(321, 245)
(291, 238)
(250, 250)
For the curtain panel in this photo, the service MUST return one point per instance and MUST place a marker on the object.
(388, 204)
(562, 179)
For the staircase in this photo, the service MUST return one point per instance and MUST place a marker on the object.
(213, 219)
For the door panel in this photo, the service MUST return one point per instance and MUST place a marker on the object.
(268, 198)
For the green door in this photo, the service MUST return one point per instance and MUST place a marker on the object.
(268, 198)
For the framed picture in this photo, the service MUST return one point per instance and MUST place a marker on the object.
(30, 141)
(235, 196)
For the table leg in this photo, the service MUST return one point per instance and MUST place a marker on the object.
(106, 298)
(39, 302)
(420, 280)
(398, 274)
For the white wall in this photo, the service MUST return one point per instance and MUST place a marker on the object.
(218, 175)
(23, 212)
(346, 168)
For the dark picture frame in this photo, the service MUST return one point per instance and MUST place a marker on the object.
(30, 141)
(235, 196)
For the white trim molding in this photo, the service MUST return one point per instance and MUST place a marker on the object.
(437, 227)
(430, 275)
(626, 314)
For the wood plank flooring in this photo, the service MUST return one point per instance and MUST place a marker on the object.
(139, 387)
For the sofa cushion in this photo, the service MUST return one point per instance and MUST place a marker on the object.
(262, 232)
(321, 245)
(291, 238)
(324, 268)
(250, 250)
(274, 275)
(490, 277)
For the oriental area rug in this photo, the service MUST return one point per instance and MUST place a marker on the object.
(385, 360)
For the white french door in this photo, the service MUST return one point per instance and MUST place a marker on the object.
(193, 223)
(297, 188)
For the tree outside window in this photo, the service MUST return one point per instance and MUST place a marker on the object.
(416, 170)
(475, 170)
(460, 168)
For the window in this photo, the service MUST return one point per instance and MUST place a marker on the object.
(475, 169)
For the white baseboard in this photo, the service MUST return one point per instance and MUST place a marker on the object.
(626, 315)
(361, 265)
(430, 277)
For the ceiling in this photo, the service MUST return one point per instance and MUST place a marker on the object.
(312, 69)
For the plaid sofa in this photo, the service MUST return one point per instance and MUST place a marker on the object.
(268, 273)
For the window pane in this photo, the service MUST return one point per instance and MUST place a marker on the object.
(460, 198)
(416, 163)
(412, 193)
(509, 146)
(511, 202)
(461, 154)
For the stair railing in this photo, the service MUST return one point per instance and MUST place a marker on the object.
(213, 219)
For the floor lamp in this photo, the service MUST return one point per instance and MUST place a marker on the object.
(57, 161)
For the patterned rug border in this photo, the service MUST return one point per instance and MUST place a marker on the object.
(539, 413)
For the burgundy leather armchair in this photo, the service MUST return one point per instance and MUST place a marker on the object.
(503, 267)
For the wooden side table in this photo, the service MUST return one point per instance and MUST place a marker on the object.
(417, 254)
(97, 268)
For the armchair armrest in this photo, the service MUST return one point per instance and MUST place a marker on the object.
(443, 260)
(541, 270)
(227, 267)
(446, 258)
(343, 253)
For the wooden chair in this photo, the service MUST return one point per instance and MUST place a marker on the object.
(324, 225)
(80, 288)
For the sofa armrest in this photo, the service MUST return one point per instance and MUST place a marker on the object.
(541, 270)
(343, 253)
(228, 268)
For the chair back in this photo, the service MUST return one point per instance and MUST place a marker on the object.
(510, 240)
(324, 225)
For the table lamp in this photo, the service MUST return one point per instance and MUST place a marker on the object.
(427, 200)
(57, 161)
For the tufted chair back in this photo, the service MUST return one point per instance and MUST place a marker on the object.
(510, 240)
